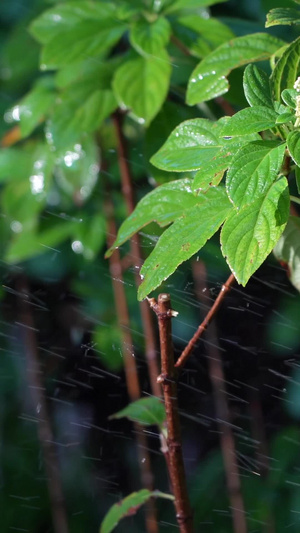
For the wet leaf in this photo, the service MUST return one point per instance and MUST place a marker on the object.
(293, 144)
(90, 234)
(208, 80)
(184, 238)
(146, 411)
(256, 85)
(141, 85)
(282, 15)
(250, 120)
(162, 205)
(252, 171)
(77, 169)
(287, 250)
(128, 507)
(88, 38)
(286, 70)
(250, 233)
(150, 37)
(32, 109)
(189, 145)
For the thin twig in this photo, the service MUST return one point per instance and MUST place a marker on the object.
(227, 443)
(211, 313)
(128, 194)
(131, 373)
(167, 378)
(45, 434)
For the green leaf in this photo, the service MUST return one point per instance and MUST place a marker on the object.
(177, 5)
(36, 243)
(162, 205)
(297, 177)
(89, 235)
(208, 80)
(282, 15)
(146, 411)
(286, 70)
(250, 120)
(287, 250)
(184, 238)
(289, 97)
(188, 145)
(88, 38)
(32, 109)
(141, 84)
(252, 171)
(257, 87)
(127, 507)
(207, 33)
(108, 345)
(286, 117)
(150, 37)
(211, 171)
(293, 144)
(15, 164)
(63, 17)
(249, 234)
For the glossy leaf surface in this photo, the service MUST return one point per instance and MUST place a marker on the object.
(146, 411)
(250, 233)
(282, 15)
(162, 205)
(293, 144)
(286, 70)
(257, 87)
(208, 80)
(250, 120)
(210, 33)
(141, 85)
(252, 170)
(184, 238)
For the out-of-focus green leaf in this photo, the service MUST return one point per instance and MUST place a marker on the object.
(287, 250)
(250, 120)
(63, 17)
(293, 144)
(127, 507)
(141, 84)
(32, 243)
(257, 87)
(162, 205)
(150, 37)
(282, 15)
(210, 33)
(89, 236)
(184, 238)
(107, 344)
(250, 233)
(77, 169)
(146, 411)
(252, 170)
(88, 38)
(15, 164)
(177, 5)
(286, 70)
(208, 80)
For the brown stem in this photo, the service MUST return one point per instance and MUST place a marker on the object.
(128, 193)
(211, 313)
(167, 378)
(216, 374)
(34, 373)
(131, 374)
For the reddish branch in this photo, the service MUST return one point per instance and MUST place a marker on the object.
(211, 313)
(227, 443)
(167, 379)
(128, 194)
(45, 434)
(131, 373)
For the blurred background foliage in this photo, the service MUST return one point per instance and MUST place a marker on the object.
(53, 231)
